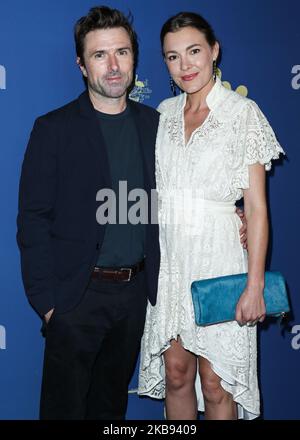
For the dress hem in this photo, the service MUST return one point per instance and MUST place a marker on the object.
(244, 412)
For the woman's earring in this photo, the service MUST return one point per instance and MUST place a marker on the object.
(173, 86)
(214, 70)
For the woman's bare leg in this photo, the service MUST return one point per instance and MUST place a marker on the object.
(219, 404)
(180, 367)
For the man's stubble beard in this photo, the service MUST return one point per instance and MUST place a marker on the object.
(112, 91)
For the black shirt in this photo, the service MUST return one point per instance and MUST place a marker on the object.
(123, 244)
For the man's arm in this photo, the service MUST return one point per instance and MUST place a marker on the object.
(37, 196)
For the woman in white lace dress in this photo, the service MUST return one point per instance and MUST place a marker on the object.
(213, 148)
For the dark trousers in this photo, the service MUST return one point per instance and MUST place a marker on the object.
(91, 352)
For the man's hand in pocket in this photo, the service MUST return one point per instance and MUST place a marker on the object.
(48, 315)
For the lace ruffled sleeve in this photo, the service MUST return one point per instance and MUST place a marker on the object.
(261, 144)
(162, 106)
(257, 143)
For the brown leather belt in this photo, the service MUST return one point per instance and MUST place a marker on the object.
(119, 274)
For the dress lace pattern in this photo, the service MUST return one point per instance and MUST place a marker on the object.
(199, 242)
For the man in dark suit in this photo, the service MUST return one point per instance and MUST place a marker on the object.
(90, 281)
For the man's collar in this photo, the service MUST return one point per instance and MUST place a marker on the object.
(87, 109)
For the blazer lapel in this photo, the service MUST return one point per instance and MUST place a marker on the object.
(95, 137)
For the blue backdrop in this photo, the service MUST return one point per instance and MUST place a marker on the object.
(260, 40)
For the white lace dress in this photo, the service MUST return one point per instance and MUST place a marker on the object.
(198, 185)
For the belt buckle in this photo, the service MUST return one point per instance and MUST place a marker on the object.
(130, 272)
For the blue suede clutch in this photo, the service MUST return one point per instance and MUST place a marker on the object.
(215, 299)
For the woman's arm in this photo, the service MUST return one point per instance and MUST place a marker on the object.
(251, 306)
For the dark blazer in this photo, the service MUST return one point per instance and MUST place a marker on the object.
(64, 167)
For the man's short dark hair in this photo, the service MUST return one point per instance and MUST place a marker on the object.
(103, 17)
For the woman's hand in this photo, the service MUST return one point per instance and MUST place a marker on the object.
(243, 228)
(251, 307)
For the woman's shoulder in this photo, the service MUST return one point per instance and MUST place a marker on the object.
(234, 98)
(244, 106)
(235, 104)
(170, 105)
